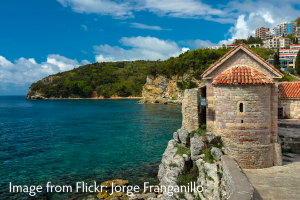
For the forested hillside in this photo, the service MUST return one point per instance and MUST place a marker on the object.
(128, 78)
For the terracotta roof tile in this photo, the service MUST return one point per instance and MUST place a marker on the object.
(249, 51)
(285, 54)
(289, 89)
(241, 75)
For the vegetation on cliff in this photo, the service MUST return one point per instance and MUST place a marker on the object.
(107, 78)
(128, 78)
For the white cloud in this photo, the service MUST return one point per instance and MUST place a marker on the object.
(102, 7)
(179, 8)
(84, 26)
(184, 49)
(144, 26)
(172, 8)
(253, 15)
(271, 11)
(28, 70)
(140, 48)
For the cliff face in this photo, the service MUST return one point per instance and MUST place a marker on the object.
(160, 87)
(35, 95)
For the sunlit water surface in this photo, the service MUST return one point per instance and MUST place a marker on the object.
(67, 141)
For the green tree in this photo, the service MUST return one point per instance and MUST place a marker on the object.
(297, 64)
(128, 78)
(254, 40)
(298, 21)
(290, 70)
(276, 59)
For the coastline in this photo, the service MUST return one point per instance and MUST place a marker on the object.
(109, 98)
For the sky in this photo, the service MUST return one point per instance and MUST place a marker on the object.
(40, 38)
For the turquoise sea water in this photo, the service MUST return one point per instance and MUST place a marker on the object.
(67, 141)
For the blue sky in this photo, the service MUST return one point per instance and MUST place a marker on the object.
(39, 38)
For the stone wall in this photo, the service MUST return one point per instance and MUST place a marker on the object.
(236, 182)
(291, 108)
(246, 135)
(251, 136)
(289, 138)
(190, 110)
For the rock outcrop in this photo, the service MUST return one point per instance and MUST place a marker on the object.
(35, 95)
(192, 155)
(160, 87)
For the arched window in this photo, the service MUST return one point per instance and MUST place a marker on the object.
(241, 107)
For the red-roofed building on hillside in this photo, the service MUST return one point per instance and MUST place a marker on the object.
(287, 57)
(289, 100)
(295, 46)
(288, 51)
(241, 95)
(230, 46)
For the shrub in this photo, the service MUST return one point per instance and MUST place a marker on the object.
(173, 165)
(201, 132)
(207, 155)
(185, 179)
(182, 150)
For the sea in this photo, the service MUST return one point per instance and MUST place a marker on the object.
(68, 141)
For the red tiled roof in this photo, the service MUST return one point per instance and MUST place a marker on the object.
(286, 54)
(289, 49)
(289, 89)
(242, 44)
(241, 75)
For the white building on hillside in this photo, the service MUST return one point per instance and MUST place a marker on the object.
(277, 43)
(285, 28)
(295, 46)
(287, 57)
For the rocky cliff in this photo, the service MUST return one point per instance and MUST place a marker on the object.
(193, 157)
(35, 95)
(160, 87)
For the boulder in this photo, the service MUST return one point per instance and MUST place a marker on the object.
(147, 196)
(186, 157)
(176, 137)
(103, 194)
(115, 182)
(209, 136)
(224, 150)
(184, 136)
(216, 153)
(197, 145)
(117, 196)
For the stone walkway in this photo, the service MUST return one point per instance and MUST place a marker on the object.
(278, 182)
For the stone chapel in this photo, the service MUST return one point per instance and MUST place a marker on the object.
(241, 91)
